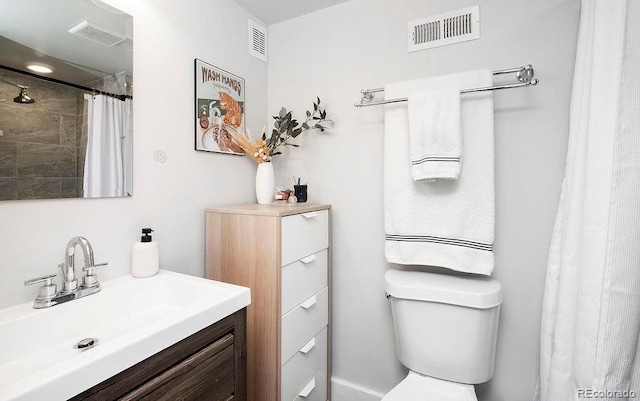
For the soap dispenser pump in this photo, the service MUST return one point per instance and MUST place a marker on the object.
(144, 257)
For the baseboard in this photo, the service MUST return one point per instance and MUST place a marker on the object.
(344, 391)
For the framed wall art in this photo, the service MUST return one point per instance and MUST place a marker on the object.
(220, 106)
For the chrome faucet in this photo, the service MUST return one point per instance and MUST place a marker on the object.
(49, 296)
(69, 281)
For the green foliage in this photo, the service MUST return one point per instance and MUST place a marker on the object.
(286, 127)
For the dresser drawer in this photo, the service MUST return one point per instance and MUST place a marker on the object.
(304, 365)
(303, 278)
(303, 322)
(304, 234)
(316, 389)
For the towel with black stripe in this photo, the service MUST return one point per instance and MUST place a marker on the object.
(447, 222)
(435, 134)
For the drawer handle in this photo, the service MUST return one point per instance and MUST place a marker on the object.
(308, 346)
(308, 389)
(309, 215)
(309, 302)
(308, 259)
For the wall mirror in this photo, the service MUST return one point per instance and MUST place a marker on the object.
(66, 94)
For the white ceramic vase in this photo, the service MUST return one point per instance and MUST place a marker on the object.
(265, 183)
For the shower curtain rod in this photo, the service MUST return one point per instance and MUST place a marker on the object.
(58, 81)
(523, 74)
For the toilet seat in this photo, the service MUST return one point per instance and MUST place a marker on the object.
(416, 387)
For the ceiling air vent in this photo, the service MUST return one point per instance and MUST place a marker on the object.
(127, 44)
(97, 33)
(257, 41)
(445, 29)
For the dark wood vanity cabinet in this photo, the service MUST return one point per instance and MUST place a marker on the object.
(210, 365)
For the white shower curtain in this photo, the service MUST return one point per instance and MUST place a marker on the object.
(106, 169)
(591, 310)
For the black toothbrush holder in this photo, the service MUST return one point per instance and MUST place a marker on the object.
(300, 191)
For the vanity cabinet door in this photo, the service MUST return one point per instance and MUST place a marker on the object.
(209, 365)
(206, 375)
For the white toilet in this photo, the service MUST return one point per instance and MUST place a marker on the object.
(446, 329)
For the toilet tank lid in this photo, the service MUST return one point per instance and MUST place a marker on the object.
(474, 292)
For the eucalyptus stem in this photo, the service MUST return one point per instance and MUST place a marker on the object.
(286, 127)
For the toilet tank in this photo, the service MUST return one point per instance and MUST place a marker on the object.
(446, 326)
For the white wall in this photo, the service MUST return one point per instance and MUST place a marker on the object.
(170, 198)
(335, 52)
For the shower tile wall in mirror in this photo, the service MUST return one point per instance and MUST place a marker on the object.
(42, 144)
(54, 128)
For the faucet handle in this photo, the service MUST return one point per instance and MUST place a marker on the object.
(47, 292)
(89, 269)
(48, 280)
(91, 280)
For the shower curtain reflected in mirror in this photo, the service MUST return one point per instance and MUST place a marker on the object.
(591, 310)
(107, 166)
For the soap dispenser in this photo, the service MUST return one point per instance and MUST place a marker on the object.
(144, 257)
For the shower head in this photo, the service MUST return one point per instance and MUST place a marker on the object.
(23, 97)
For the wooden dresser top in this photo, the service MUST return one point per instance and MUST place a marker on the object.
(278, 210)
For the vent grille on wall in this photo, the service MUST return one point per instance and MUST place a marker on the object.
(127, 44)
(257, 41)
(445, 29)
(97, 33)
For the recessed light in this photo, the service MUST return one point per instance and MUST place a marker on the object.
(40, 67)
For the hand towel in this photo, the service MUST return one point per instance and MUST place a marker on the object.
(448, 223)
(435, 134)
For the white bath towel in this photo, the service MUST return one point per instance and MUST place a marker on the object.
(448, 223)
(435, 134)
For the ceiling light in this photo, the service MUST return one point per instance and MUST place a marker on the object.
(40, 68)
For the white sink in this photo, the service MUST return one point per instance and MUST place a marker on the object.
(131, 318)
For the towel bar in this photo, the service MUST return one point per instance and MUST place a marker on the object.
(523, 74)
